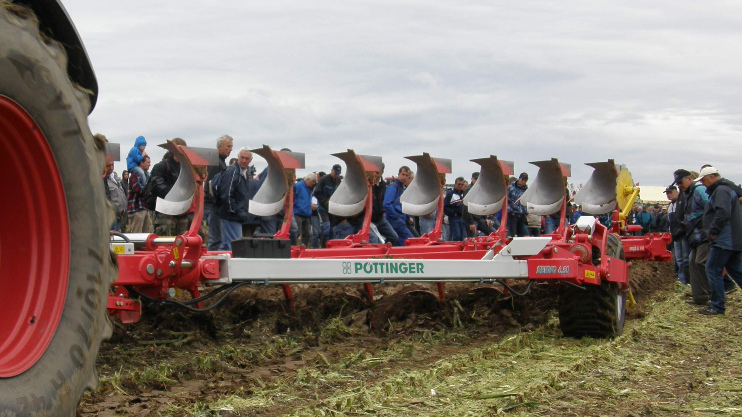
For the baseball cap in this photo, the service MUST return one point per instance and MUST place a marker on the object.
(707, 171)
(523, 175)
(679, 175)
(670, 189)
(337, 168)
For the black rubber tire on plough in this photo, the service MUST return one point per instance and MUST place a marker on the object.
(598, 311)
(33, 76)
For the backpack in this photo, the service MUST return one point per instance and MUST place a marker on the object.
(149, 198)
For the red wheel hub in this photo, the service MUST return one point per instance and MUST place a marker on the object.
(34, 241)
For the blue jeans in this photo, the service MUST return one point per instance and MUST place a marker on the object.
(427, 225)
(116, 226)
(483, 227)
(399, 226)
(325, 225)
(231, 231)
(718, 260)
(215, 227)
(270, 224)
(680, 254)
(458, 230)
(314, 220)
(343, 230)
(386, 230)
(550, 225)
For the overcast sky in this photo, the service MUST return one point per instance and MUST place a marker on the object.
(653, 85)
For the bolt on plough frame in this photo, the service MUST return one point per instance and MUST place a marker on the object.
(587, 259)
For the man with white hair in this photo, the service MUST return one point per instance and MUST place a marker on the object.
(235, 192)
(722, 221)
(303, 206)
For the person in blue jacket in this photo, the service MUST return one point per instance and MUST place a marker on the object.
(135, 156)
(393, 205)
(136, 153)
(303, 206)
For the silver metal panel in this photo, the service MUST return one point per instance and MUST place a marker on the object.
(598, 195)
(113, 150)
(280, 271)
(488, 194)
(524, 246)
(270, 197)
(545, 195)
(122, 248)
(180, 197)
(421, 196)
(350, 196)
(211, 155)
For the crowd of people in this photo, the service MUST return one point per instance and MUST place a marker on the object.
(231, 186)
(703, 214)
(706, 226)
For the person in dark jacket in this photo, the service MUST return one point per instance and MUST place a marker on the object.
(722, 221)
(378, 191)
(235, 192)
(694, 202)
(393, 206)
(472, 222)
(324, 189)
(224, 146)
(517, 224)
(661, 221)
(453, 207)
(679, 247)
(164, 175)
(303, 206)
(645, 219)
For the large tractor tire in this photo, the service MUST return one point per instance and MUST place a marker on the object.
(55, 264)
(597, 311)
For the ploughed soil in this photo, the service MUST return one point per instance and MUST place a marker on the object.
(176, 362)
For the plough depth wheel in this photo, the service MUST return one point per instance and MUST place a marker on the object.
(598, 311)
(56, 267)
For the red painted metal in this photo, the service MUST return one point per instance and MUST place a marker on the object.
(288, 295)
(652, 246)
(370, 293)
(288, 212)
(34, 244)
(128, 310)
(568, 257)
(441, 291)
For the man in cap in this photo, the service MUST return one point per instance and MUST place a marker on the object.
(324, 189)
(693, 203)
(722, 220)
(517, 224)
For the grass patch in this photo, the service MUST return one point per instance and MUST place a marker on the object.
(674, 361)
